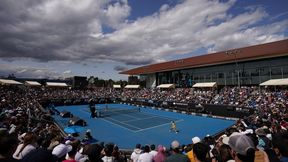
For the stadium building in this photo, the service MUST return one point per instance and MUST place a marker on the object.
(243, 66)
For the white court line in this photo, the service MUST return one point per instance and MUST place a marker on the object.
(140, 129)
(151, 115)
(117, 125)
(157, 126)
(160, 116)
(165, 117)
(131, 116)
(137, 119)
(121, 122)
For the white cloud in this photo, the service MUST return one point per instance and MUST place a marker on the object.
(75, 31)
(182, 29)
(116, 13)
(24, 71)
(251, 36)
(67, 72)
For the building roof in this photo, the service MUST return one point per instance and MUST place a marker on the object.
(33, 83)
(132, 86)
(56, 84)
(275, 82)
(116, 86)
(166, 86)
(8, 81)
(268, 50)
(205, 85)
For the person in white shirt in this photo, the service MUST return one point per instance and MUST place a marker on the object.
(29, 144)
(145, 156)
(152, 152)
(136, 153)
(108, 149)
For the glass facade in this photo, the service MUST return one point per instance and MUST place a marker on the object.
(236, 73)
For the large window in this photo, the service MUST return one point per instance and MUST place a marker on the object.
(245, 73)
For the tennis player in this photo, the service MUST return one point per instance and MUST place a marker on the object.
(173, 127)
(92, 109)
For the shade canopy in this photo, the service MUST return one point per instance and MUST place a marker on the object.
(275, 82)
(73, 129)
(8, 81)
(32, 83)
(166, 86)
(116, 86)
(56, 84)
(132, 86)
(205, 85)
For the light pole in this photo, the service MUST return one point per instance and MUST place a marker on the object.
(234, 53)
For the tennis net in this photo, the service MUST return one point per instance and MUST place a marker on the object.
(110, 112)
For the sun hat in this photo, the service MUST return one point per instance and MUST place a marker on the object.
(196, 140)
(240, 144)
(61, 150)
(226, 139)
(175, 144)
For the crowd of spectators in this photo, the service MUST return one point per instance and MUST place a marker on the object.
(252, 97)
(27, 133)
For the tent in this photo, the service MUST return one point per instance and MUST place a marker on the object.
(56, 84)
(132, 86)
(275, 82)
(8, 81)
(166, 86)
(116, 86)
(32, 83)
(205, 85)
(73, 129)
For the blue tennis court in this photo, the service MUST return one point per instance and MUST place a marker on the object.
(138, 121)
(147, 126)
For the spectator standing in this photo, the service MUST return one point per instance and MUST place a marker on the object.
(160, 156)
(8, 145)
(153, 152)
(145, 156)
(61, 150)
(136, 153)
(108, 149)
(201, 152)
(243, 149)
(176, 153)
(28, 145)
(94, 153)
(39, 155)
(280, 145)
(225, 153)
(190, 153)
(260, 155)
(70, 156)
(118, 155)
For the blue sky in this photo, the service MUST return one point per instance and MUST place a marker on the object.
(58, 39)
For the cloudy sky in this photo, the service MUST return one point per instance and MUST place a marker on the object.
(62, 38)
